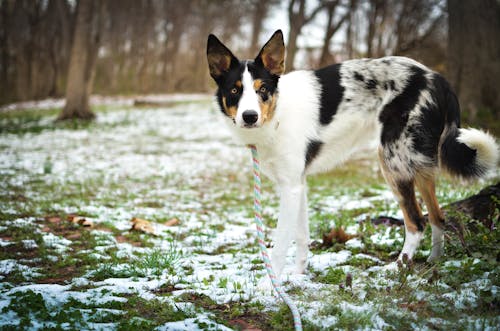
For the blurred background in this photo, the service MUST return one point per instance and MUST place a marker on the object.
(130, 47)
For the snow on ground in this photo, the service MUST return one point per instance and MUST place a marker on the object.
(158, 164)
(98, 100)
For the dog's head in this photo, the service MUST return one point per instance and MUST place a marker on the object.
(247, 90)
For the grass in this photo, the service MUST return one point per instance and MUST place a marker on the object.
(163, 163)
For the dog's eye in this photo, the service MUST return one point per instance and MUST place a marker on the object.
(263, 89)
(234, 90)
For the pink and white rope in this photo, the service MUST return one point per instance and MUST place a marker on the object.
(263, 249)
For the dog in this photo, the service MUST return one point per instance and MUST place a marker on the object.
(309, 121)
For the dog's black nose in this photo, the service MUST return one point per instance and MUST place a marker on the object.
(250, 116)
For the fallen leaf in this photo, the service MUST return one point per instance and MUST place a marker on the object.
(80, 221)
(172, 222)
(142, 226)
(73, 236)
(336, 235)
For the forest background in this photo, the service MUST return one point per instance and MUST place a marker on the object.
(132, 47)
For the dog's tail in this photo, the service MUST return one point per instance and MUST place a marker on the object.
(466, 153)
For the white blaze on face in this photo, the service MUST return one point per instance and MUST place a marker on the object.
(249, 99)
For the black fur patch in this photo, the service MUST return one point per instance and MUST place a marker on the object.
(331, 92)
(226, 83)
(258, 71)
(371, 84)
(358, 76)
(458, 158)
(394, 116)
(427, 132)
(407, 191)
(313, 149)
(392, 85)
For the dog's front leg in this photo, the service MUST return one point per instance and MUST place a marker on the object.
(302, 233)
(290, 205)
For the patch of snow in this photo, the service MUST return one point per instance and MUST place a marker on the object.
(29, 244)
(388, 238)
(59, 244)
(4, 243)
(321, 262)
(354, 243)
(201, 323)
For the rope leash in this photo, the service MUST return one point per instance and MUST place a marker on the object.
(263, 249)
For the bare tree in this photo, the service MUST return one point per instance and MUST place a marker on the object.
(297, 18)
(415, 23)
(350, 38)
(89, 20)
(258, 15)
(377, 15)
(474, 53)
(332, 26)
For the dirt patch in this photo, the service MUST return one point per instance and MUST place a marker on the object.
(62, 276)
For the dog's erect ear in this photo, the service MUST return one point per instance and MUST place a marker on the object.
(272, 55)
(220, 58)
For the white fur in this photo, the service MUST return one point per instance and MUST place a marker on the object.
(483, 143)
(437, 243)
(412, 241)
(248, 101)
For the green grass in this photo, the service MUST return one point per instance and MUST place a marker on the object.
(453, 293)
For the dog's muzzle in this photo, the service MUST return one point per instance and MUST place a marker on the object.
(250, 117)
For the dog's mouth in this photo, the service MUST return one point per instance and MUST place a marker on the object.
(249, 126)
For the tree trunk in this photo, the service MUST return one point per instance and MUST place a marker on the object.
(258, 16)
(291, 48)
(89, 16)
(474, 50)
(297, 18)
(332, 27)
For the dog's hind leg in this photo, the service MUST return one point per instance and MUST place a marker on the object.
(426, 185)
(302, 234)
(404, 190)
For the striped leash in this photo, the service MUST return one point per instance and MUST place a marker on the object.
(263, 249)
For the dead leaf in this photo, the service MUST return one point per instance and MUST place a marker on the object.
(80, 221)
(414, 306)
(73, 236)
(142, 226)
(336, 235)
(172, 222)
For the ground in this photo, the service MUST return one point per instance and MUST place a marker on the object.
(175, 163)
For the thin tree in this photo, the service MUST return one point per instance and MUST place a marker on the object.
(298, 18)
(260, 10)
(332, 26)
(86, 40)
(474, 53)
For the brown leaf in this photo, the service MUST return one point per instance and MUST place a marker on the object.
(80, 221)
(142, 226)
(336, 235)
(172, 222)
(413, 306)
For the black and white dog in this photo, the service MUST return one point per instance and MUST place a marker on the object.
(311, 121)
